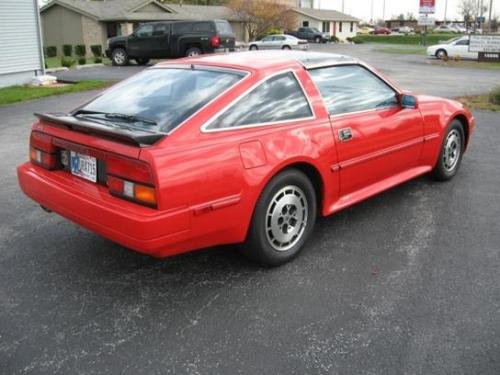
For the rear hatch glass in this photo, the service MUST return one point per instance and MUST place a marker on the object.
(155, 101)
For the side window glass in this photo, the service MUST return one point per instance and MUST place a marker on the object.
(160, 29)
(145, 31)
(183, 27)
(280, 98)
(203, 27)
(352, 88)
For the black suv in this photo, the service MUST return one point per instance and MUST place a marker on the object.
(171, 39)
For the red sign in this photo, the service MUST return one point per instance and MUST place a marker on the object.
(427, 6)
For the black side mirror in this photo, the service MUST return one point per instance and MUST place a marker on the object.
(409, 101)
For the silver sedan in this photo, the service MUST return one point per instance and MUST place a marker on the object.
(280, 41)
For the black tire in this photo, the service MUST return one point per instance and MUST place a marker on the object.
(441, 54)
(317, 39)
(119, 57)
(193, 51)
(294, 222)
(142, 61)
(286, 47)
(253, 47)
(451, 152)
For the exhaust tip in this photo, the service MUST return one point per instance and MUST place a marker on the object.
(46, 209)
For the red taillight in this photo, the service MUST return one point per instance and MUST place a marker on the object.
(215, 41)
(131, 179)
(43, 152)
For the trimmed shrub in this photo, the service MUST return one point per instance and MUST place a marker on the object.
(96, 50)
(67, 62)
(494, 96)
(67, 50)
(334, 39)
(51, 51)
(82, 61)
(98, 60)
(80, 50)
(355, 40)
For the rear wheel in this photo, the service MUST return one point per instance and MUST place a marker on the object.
(119, 57)
(142, 61)
(451, 152)
(283, 220)
(286, 47)
(193, 51)
(441, 54)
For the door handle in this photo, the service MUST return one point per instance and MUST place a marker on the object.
(345, 134)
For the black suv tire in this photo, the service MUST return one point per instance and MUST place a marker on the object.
(119, 57)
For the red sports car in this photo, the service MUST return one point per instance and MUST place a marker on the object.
(237, 148)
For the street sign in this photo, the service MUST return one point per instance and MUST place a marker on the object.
(427, 6)
(484, 43)
(426, 21)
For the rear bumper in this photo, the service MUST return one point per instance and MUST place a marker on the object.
(149, 231)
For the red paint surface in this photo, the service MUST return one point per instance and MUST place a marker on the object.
(207, 184)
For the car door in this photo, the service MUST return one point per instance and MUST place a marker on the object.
(461, 48)
(140, 43)
(160, 40)
(376, 137)
(266, 42)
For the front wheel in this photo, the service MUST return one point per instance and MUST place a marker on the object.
(286, 47)
(253, 47)
(441, 54)
(283, 219)
(317, 39)
(119, 57)
(451, 152)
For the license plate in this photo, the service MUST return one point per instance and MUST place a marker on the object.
(83, 166)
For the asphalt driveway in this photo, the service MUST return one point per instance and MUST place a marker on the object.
(405, 283)
(411, 72)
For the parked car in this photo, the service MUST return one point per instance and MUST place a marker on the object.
(245, 148)
(405, 30)
(280, 41)
(171, 39)
(311, 34)
(446, 29)
(456, 47)
(381, 31)
(365, 30)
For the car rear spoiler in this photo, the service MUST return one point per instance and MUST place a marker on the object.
(139, 138)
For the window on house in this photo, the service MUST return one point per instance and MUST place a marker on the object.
(340, 27)
(326, 27)
(352, 27)
(305, 23)
(112, 29)
(280, 98)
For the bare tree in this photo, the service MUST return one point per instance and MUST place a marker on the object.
(260, 16)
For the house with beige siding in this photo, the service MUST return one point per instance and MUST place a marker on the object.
(336, 23)
(93, 22)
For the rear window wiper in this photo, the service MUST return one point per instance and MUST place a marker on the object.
(130, 118)
(116, 116)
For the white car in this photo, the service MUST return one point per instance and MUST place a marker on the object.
(279, 41)
(446, 29)
(456, 47)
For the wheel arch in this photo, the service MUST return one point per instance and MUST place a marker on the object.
(465, 125)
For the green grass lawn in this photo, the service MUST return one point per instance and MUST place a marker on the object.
(406, 39)
(55, 62)
(402, 50)
(15, 94)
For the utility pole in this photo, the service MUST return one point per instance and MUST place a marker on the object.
(489, 16)
(383, 12)
(445, 10)
(371, 21)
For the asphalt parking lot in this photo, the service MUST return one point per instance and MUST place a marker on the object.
(405, 283)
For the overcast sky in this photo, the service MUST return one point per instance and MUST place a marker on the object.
(362, 8)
